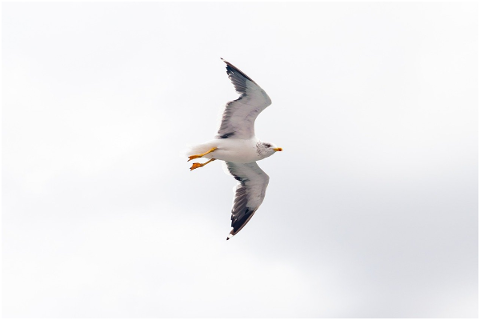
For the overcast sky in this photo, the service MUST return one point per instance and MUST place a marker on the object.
(371, 209)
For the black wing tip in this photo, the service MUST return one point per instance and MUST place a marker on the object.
(232, 69)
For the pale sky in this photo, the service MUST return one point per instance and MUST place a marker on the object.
(371, 210)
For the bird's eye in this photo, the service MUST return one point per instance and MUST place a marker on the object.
(268, 145)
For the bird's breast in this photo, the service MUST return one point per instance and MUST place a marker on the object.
(236, 150)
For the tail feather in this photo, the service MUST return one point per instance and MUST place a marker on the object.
(200, 148)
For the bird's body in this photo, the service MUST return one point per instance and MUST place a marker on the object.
(237, 145)
(232, 150)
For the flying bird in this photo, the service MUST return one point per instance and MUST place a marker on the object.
(237, 145)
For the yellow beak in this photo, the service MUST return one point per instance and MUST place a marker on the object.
(277, 149)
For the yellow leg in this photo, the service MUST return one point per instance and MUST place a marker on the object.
(195, 156)
(199, 165)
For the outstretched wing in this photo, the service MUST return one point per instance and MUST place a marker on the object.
(239, 116)
(249, 193)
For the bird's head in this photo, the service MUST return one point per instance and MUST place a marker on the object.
(267, 149)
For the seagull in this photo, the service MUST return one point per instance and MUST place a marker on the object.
(237, 145)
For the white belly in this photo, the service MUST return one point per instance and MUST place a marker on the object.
(235, 150)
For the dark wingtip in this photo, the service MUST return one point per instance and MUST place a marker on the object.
(231, 69)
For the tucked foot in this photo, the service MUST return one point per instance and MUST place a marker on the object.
(199, 165)
(196, 165)
(195, 156)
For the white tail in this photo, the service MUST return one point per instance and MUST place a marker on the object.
(200, 148)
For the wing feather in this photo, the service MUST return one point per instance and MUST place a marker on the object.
(239, 116)
(249, 193)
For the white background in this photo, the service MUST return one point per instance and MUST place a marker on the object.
(371, 209)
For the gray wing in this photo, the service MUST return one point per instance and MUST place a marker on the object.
(249, 193)
(239, 116)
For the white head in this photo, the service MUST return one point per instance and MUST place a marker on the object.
(266, 149)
